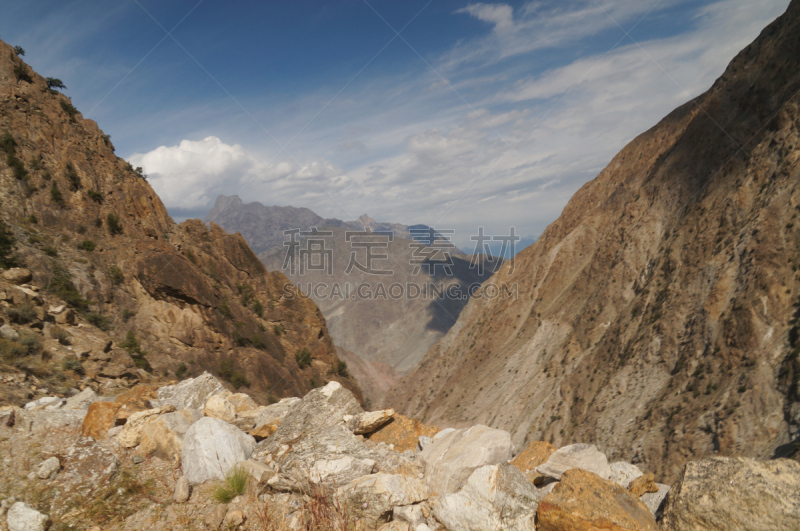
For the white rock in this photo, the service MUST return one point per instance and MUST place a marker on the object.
(219, 407)
(623, 473)
(369, 421)
(378, 494)
(443, 433)
(494, 497)
(182, 490)
(424, 442)
(584, 456)
(9, 333)
(259, 471)
(211, 447)
(42, 403)
(411, 514)
(192, 393)
(655, 500)
(23, 517)
(450, 459)
(48, 468)
(82, 400)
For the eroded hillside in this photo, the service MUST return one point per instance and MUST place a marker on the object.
(657, 315)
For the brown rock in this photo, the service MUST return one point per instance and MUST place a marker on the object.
(264, 431)
(17, 275)
(534, 455)
(134, 400)
(67, 317)
(242, 402)
(99, 418)
(643, 485)
(585, 501)
(402, 432)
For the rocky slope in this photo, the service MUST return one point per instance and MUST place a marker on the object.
(657, 316)
(196, 456)
(183, 298)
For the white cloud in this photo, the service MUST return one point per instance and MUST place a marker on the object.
(501, 15)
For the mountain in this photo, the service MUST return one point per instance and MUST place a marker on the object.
(96, 237)
(658, 315)
(390, 335)
(264, 226)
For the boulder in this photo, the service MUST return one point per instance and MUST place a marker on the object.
(131, 433)
(99, 419)
(327, 458)
(82, 400)
(369, 421)
(494, 497)
(534, 455)
(192, 393)
(375, 496)
(211, 447)
(584, 501)
(724, 493)
(320, 409)
(402, 432)
(67, 317)
(242, 402)
(23, 517)
(217, 406)
(44, 422)
(451, 459)
(262, 432)
(623, 473)
(48, 468)
(584, 456)
(163, 437)
(182, 490)
(233, 519)
(9, 333)
(17, 275)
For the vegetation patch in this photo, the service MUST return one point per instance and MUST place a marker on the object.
(303, 358)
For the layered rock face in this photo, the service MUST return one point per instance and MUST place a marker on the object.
(96, 236)
(657, 316)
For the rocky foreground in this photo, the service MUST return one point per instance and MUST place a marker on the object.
(194, 455)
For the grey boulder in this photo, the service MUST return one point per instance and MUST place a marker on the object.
(192, 393)
(450, 459)
(23, 517)
(584, 456)
(494, 497)
(211, 447)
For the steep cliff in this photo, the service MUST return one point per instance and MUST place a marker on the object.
(657, 315)
(95, 234)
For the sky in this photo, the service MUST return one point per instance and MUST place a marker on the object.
(453, 114)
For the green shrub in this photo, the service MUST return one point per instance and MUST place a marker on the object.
(22, 313)
(17, 167)
(62, 287)
(127, 314)
(32, 219)
(95, 196)
(190, 255)
(72, 364)
(81, 229)
(341, 369)
(113, 224)
(235, 484)
(19, 51)
(235, 377)
(258, 308)
(115, 275)
(240, 339)
(180, 372)
(69, 109)
(72, 176)
(49, 250)
(98, 222)
(87, 245)
(56, 195)
(258, 341)
(7, 241)
(279, 330)
(225, 310)
(225, 368)
(303, 358)
(131, 344)
(99, 320)
(59, 334)
(55, 83)
(238, 380)
(21, 73)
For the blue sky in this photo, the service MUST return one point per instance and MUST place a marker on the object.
(488, 114)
